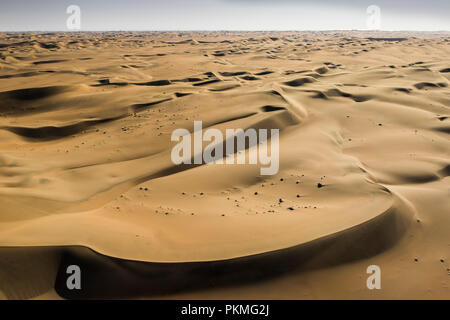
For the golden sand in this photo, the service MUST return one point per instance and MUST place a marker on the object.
(86, 175)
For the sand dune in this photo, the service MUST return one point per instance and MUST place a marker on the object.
(86, 175)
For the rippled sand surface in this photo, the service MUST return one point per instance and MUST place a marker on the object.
(86, 176)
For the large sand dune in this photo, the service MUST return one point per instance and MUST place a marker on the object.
(86, 175)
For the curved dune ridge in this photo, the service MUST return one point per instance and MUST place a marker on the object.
(86, 176)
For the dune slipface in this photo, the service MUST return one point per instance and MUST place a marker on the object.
(87, 178)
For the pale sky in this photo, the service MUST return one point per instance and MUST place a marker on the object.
(153, 15)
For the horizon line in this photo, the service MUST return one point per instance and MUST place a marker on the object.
(219, 30)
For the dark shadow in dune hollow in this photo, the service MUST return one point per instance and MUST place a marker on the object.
(104, 277)
(50, 133)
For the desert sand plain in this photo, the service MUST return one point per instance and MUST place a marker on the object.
(86, 176)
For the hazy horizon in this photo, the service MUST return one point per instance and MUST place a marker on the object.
(224, 15)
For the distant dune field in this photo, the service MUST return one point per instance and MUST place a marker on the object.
(86, 176)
